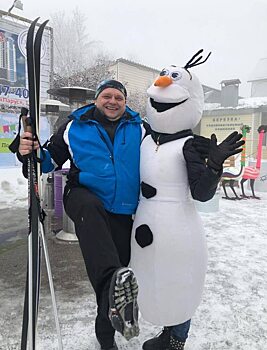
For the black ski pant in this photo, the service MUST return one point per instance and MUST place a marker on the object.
(104, 240)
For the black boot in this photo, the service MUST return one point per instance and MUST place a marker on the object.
(164, 341)
(107, 345)
(114, 347)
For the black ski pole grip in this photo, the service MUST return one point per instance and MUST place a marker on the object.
(24, 111)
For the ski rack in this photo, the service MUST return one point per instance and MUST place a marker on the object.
(36, 237)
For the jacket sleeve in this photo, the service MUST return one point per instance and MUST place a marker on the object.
(203, 181)
(54, 154)
(56, 151)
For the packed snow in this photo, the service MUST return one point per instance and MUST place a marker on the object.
(233, 312)
(13, 188)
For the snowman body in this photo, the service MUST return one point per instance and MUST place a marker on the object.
(171, 269)
(168, 247)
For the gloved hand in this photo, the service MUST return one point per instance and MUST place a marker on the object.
(201, 145)
(228, 147)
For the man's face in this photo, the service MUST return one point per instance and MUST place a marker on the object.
(111, 102)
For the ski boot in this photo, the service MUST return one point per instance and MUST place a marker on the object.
(123, 312)
(164, 341)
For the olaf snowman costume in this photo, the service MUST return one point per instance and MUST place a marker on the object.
(169, 252)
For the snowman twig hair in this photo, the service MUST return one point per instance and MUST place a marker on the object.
(194, 61)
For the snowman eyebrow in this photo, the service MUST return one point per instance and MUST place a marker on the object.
(194, 61)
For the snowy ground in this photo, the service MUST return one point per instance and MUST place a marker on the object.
(233, 313)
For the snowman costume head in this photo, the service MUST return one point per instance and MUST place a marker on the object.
(176, 99)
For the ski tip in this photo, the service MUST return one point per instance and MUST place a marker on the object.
(45, 22)
(36, 20)
(33, 24)
(41, 29)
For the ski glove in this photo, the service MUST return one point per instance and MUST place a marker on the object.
(228, 147)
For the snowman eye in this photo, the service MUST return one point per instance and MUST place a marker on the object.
(176, 75)
(164, 72)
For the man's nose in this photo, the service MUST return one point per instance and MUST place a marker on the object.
(112, 99)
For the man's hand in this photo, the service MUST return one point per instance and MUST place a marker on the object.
(228, 147)
(27, 144)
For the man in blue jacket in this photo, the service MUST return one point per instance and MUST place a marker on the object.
(102, 141)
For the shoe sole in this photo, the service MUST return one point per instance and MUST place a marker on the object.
(123, 312)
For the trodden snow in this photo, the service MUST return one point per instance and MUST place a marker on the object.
(233, 312)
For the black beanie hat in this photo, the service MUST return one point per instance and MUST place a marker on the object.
(110, 84)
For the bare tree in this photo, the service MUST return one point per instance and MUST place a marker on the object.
(73, 51)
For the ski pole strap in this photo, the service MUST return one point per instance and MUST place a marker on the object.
(14, 146)
(29, 126)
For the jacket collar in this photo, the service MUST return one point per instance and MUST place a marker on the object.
(90, 113)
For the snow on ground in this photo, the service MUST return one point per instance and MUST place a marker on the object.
(232, 315)
(13, 188)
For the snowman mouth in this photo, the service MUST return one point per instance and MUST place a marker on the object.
(162, 107)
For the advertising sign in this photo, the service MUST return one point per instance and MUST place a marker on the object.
(14, 92)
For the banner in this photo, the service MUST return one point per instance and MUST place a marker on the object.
(13, 65)
(13, 89)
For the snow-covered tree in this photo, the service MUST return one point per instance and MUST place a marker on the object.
(87, 77)
(74, 51)
(137, 101)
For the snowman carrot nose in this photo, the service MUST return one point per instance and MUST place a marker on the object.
(163, 81)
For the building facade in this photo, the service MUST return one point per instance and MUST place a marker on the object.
(8, 66)
(137, 77)
(223, 121)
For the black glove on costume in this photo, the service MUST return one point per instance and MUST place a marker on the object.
(228, 147)
(201, 145)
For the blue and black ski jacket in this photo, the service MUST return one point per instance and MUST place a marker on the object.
(109, 170)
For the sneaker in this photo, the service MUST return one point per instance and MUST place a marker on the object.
(164, 341)
(123, 311)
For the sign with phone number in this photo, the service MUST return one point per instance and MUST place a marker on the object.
(21, 92)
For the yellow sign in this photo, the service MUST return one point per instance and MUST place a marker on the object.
(4, 143)
(223, 125)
